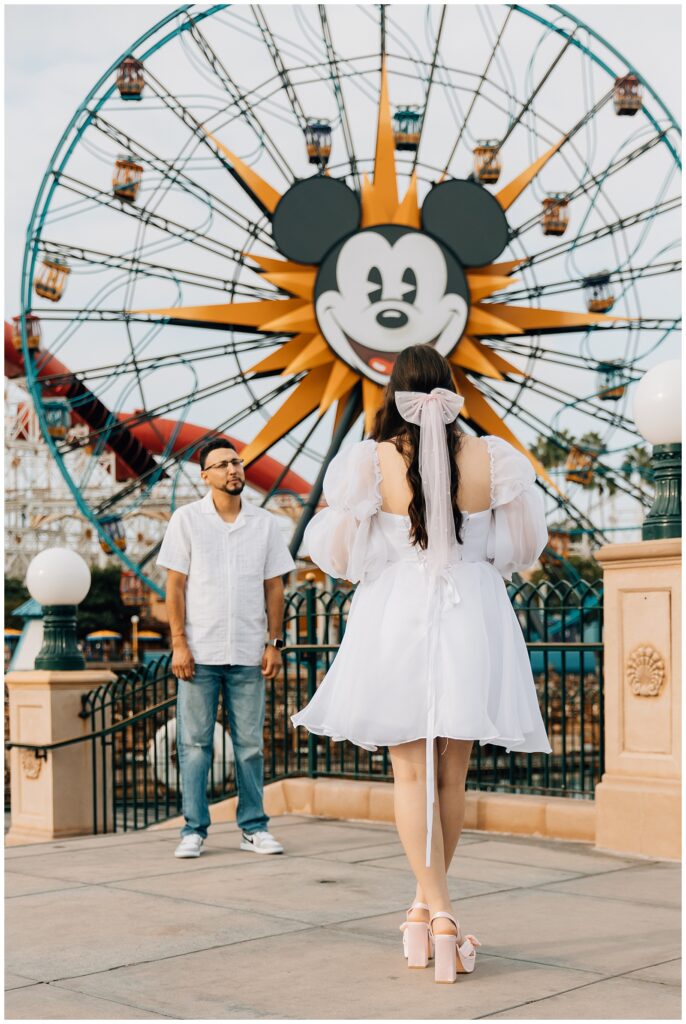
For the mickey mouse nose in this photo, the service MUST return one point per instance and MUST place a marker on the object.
(391, 318)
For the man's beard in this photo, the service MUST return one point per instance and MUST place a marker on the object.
(234, 488)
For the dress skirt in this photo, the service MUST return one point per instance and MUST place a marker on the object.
(424, 658)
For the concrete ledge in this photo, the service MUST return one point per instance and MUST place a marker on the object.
(49, 679)
(550, 817)
(640, 552)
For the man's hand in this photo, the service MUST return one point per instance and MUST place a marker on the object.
(183, 665)
(271, 661)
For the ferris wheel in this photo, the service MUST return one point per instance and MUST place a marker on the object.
(255, 209)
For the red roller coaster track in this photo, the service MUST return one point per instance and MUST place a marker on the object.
(135, 441)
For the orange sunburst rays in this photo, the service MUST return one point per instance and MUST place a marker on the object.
(327, 379)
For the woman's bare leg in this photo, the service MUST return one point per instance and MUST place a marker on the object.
(409, 796)
(453, 765)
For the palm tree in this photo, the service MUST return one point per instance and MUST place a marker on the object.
(551, 451)
(638, 460)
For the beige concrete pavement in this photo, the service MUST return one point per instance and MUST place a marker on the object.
(115, 928)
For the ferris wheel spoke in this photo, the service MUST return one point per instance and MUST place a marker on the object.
(526, 106)
(173, 175)
(529, 101)
(281, 70)
(561, 398)
(162, 361)
(432, 72)
(507, 195)
(247, 112)
(254, 94)
(628, 276)
(667, 206)
(133, 264)
(200, 131)
(299, 448)
(642, 324)
(215, 388)
(542, 352)
(185, 233)
(477, 91)
(585, 405)
(549, 355)
(338, 93)
(593, 180)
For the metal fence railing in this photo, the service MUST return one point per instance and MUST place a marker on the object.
(133, 724)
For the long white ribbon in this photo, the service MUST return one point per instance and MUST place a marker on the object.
(443, 593)
(432, 412)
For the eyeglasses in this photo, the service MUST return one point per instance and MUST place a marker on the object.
(236, 463)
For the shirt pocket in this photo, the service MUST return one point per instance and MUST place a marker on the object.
(249, 556)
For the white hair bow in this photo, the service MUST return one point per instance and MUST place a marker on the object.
(431, 411)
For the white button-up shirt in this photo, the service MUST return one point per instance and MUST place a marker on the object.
(226, 565)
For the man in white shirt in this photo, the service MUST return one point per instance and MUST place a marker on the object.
(224, 559)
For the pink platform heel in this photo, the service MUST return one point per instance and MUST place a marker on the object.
(417, 939)
(454, 954)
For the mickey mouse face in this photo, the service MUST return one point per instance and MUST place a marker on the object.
(385, 288)
(382, 289)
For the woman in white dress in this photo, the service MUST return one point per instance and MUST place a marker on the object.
(428, 521)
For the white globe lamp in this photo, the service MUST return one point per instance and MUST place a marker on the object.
(59, 579)
(657, 414)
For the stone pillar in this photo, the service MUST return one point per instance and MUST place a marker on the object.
(53, 797)
(638, 801)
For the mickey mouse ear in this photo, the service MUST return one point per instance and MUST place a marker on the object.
(313, 216)
(468, 219)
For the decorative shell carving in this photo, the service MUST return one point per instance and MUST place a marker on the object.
(646, 671)
(31, 765)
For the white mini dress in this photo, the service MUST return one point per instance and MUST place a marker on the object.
(422, 659)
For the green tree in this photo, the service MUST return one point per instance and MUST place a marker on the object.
(15, 594)
(103, 607)
(637, 460)
(551, 451)
(587, 568)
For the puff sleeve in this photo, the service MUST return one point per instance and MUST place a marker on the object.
(341, 539)
(518, 531)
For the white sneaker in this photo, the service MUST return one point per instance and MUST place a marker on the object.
(190, 846)
(261, 842)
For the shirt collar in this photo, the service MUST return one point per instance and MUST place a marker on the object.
(207, 507)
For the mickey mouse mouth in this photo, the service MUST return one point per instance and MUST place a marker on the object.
(380, 362)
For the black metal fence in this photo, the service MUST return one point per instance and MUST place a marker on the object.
(136, 779)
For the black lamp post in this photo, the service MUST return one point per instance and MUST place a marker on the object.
(59, 579)
(657, 413)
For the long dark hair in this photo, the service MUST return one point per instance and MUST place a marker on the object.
(418, 368)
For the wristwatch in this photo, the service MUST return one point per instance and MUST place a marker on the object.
(276, 642)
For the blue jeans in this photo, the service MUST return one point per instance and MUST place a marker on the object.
(197, 700)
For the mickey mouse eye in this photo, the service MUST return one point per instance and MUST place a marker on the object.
(410, 282)
(374, 278)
